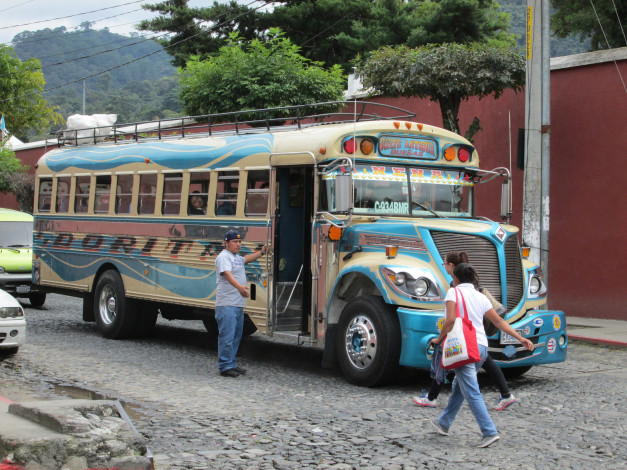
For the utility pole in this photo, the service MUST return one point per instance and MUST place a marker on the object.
(84, 93)
(537, 135)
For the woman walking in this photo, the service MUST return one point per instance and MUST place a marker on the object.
(465, 385)
(429, 399)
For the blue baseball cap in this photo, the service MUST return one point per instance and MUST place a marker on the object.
(232, 235)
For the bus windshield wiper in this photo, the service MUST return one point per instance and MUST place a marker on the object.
(427, 208)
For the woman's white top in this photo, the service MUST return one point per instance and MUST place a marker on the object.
(477, 305)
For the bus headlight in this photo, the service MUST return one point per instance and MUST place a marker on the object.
(420, 286)
(536, 288)
(534, 285)
(415, 283)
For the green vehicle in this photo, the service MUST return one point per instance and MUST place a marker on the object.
(16, 256)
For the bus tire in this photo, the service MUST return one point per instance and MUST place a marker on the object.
(368, 341)
(116, 316)
(37, 299)
(514, 372)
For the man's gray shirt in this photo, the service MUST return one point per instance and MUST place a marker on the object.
(227, 295)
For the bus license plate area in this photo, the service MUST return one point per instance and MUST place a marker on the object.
(508, 339)
(22, 289)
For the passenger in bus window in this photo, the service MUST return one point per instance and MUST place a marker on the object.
(62, 199)
(146, 199)
(225, 208)
(197, 204)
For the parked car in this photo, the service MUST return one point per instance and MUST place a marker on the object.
(12, 323)
(16, 256)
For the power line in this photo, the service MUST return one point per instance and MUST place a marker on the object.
(620, 24)
(70, 16)
(608, 46)
(76, 33)
(18, 5)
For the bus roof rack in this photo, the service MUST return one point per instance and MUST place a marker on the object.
(236, 122)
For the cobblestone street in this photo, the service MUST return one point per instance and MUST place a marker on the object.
(288, 413)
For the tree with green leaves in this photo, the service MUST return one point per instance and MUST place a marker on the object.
(199, 31)
(594, 20)
(329, 31)
(446, 73)
(256, 75)
(21, 100)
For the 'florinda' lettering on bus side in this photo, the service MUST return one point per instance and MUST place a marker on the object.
(63, 240)
(128, 244)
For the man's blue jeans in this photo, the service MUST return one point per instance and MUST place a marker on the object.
(465, 386)
(230, 326)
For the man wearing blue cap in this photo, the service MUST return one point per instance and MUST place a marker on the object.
(230, 301)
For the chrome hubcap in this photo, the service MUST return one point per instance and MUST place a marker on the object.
(361, 342)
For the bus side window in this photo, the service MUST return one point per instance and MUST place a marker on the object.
(172, 187)
(257, 191)
(81, 199)
(147, 194)
(198, 194)
(45, 195)
(123, 194)
(103, 194)
(63, 195)
(226, 200)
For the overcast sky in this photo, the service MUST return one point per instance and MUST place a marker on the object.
(32, 15)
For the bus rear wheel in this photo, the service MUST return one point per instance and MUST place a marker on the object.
(368, 341)
(116, 316)
(37, 299)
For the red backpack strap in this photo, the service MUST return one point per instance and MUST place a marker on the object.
(457, 302)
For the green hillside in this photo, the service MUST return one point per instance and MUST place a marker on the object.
(142, 89)
(517, 10)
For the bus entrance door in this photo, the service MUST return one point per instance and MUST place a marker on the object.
(292, 251)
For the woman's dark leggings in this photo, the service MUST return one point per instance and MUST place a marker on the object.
(495, 372)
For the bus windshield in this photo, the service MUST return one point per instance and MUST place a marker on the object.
(408, 191)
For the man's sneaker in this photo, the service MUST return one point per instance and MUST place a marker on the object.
(424, 401)
(240, 371)
(439, 428)
(486, 441)
(505, 402)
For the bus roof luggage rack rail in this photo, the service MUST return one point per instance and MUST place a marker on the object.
(237, 122)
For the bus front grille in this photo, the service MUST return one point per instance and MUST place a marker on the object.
(483, 255)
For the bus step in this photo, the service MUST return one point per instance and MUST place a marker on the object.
(294, 336)
(288, 322)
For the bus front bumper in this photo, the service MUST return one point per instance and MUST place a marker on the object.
(545, 328)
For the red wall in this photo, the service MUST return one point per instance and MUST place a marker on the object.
(588, 199)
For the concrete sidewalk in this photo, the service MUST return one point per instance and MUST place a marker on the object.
(594, 330)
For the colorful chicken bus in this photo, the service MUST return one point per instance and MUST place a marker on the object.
(358, 213)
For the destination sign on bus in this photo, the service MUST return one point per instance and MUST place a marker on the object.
(396, 146)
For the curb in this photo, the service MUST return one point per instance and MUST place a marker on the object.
(606, 342)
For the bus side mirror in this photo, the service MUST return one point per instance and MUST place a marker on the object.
(343, 192)
(505, 213)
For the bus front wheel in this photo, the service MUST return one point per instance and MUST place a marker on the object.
(116, 316)
(368, 341)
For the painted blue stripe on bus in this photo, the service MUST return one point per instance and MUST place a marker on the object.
(167, 154)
